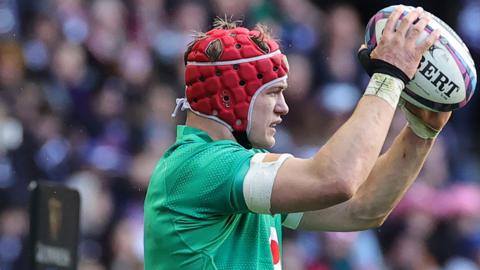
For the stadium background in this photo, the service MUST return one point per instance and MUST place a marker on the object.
(86, 93)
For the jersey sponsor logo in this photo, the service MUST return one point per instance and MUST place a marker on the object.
(275, 249)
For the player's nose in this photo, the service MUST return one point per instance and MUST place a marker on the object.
(281, 106)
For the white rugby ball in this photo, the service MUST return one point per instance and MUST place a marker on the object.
(446, 77)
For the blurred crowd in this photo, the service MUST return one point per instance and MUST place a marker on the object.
(87, 89)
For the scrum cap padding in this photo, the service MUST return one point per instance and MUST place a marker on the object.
(226, 68)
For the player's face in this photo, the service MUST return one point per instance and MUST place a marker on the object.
(268, 108)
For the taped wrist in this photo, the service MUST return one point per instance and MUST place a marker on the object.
(418, 126)
(372, 66)
(386, 87)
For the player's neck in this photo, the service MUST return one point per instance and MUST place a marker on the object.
(215, 130)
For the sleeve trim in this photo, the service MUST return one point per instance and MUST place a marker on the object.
(293, 220)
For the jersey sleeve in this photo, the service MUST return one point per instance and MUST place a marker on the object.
(235, 180)
(216, 179)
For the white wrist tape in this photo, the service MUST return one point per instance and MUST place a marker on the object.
(386, 87)
(418, 126)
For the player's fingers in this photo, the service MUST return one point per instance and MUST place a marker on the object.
(428, 42)
(408, 20)
(392, 20)
(418, 28)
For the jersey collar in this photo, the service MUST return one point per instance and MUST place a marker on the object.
(187, 132)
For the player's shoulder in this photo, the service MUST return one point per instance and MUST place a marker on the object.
(220, 149)
(195, 149)
(197, 141)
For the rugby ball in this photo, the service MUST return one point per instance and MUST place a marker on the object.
(446, 77)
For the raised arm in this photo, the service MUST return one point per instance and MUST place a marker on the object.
(391, 176)
(342, 165)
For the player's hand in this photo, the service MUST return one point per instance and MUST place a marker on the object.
(398, 46)
(436, 120)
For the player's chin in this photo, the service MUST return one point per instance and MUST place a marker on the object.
(269, 141)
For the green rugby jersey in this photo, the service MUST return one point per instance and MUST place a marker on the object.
(195, 213)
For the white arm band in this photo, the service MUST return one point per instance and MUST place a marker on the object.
(258, 182)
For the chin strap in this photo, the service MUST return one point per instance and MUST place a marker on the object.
(242, 139)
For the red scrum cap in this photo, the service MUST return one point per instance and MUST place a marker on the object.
(226, 68)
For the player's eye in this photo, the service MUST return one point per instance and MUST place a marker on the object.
(275, 92)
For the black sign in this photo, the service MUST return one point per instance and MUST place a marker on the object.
(54, 227)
